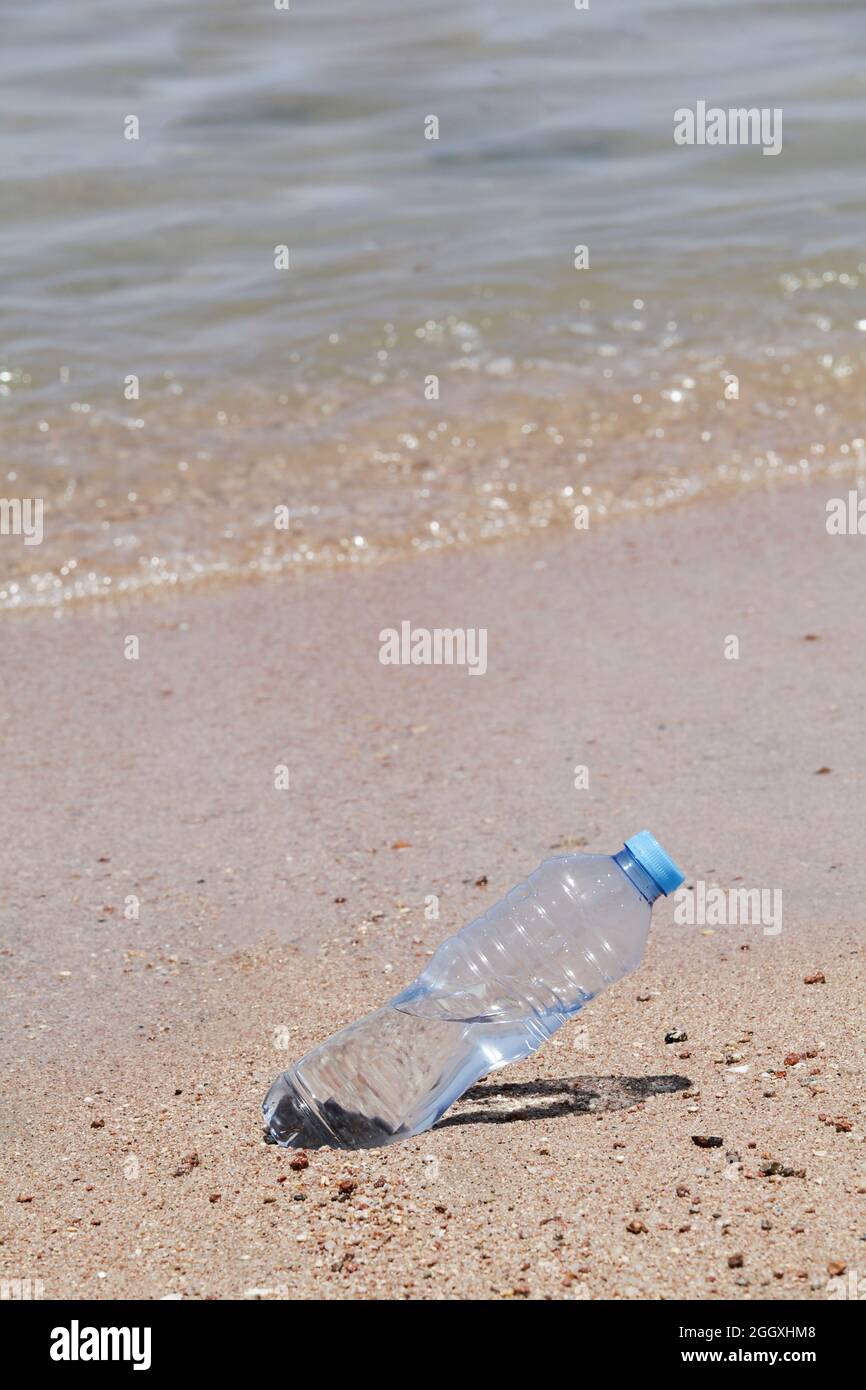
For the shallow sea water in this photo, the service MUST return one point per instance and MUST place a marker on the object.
(606, 387)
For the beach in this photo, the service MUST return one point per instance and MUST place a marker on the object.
(176, 929)
(433, 442)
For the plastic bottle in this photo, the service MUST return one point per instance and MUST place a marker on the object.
(490, 995)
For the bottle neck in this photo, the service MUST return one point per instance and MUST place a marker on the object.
(643, 882)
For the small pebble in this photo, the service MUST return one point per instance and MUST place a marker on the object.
(774, 1169)
(186, 1165)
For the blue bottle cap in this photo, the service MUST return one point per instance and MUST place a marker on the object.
(651, 857)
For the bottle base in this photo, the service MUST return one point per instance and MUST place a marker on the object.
(294, 1122)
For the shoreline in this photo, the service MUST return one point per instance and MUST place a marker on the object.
(532, 517)
(155, 779)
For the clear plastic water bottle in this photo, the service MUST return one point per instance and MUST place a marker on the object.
(490, 995)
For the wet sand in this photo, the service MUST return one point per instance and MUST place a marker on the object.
(139, 1050)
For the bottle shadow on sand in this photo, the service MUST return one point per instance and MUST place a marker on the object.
(510, 1101)
(495, 1104)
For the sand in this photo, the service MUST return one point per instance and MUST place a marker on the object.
(139, 1050)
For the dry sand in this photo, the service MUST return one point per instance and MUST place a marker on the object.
(139, 1051)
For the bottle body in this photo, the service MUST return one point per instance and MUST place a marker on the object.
(490, 995)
